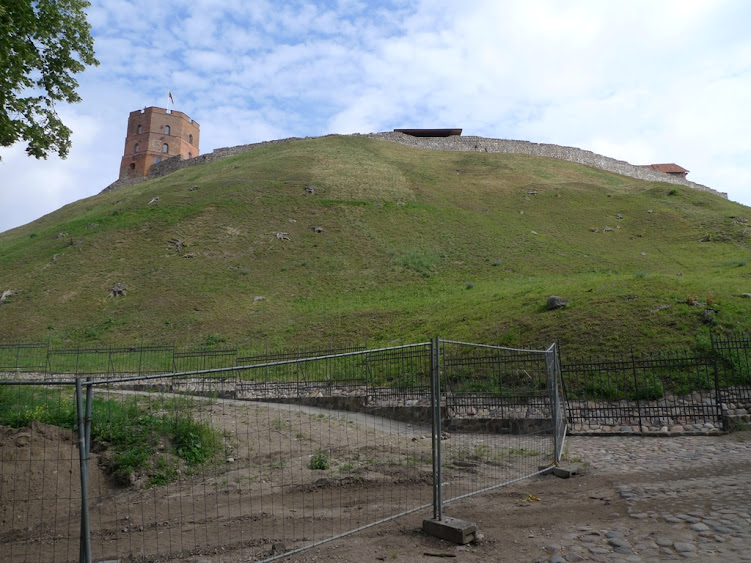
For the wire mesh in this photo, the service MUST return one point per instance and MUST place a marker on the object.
(274, 477)
(499, 425)
(40, 487)
(253, 461)
(218, 461)
(23, 357)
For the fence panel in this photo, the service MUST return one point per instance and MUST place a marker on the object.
(734, 366)
(400, 374)
(643, 393)
(251, 479)
(140, 360)
(23, 357)
(40, 486)
(499, 425)
(207, 358)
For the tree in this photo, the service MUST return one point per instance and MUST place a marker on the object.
(43, 44)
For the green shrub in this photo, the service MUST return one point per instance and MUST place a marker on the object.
(319, 461)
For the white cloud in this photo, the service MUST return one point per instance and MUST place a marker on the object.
(635, 80)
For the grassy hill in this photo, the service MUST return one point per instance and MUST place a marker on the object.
(410, 243)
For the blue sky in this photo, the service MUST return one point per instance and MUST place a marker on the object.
(643, 81)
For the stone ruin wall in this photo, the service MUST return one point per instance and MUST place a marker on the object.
(453, 143)
(571, 154)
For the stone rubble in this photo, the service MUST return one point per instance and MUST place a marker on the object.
(712, 524)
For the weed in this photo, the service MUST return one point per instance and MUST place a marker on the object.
(469, 285)
(280, 424)
(421, 262)
(650, 390)
(481, 451)
(164, 472)
(319, 461)
(194, 442)
(214, 339)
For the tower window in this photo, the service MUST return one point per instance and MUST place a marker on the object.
(166, 130)
(190, 155)
(165, 148)
(132, 165)
(190, 138)
(140, 129)
(138, 147)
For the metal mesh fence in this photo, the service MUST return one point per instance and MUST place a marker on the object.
(283, 476)
(501, 409)
(253, 462)
(40, 487)
(23, 357)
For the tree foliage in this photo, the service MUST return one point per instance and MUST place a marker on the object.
(43, 44)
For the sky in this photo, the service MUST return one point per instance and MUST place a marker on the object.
(645, 81)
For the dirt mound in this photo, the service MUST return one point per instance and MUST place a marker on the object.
(40, 479)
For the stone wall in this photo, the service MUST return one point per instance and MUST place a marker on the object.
(125, 182)
(571, 154)
(176, 163)
(453, 143)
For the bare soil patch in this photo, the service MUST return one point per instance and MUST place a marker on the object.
(262, 497)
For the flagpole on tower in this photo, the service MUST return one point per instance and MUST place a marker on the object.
(170, 99)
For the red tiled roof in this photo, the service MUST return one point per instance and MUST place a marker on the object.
(669, 168)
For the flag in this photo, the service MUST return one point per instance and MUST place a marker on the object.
(169, 93)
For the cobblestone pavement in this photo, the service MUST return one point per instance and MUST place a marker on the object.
(687, 497)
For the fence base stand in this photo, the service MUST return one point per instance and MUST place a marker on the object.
(558, 471)
(450, 529)
(564, 472)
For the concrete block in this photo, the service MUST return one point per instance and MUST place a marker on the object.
(450, 529)
(564, 472)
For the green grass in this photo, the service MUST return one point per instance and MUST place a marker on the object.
(141, 436)
(415, 243)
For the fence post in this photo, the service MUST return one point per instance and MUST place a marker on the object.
(84, 427)
(435, 404)
(555, 406)
(636, 387)
(717, 388)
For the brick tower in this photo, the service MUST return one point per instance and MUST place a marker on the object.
(156, 134)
